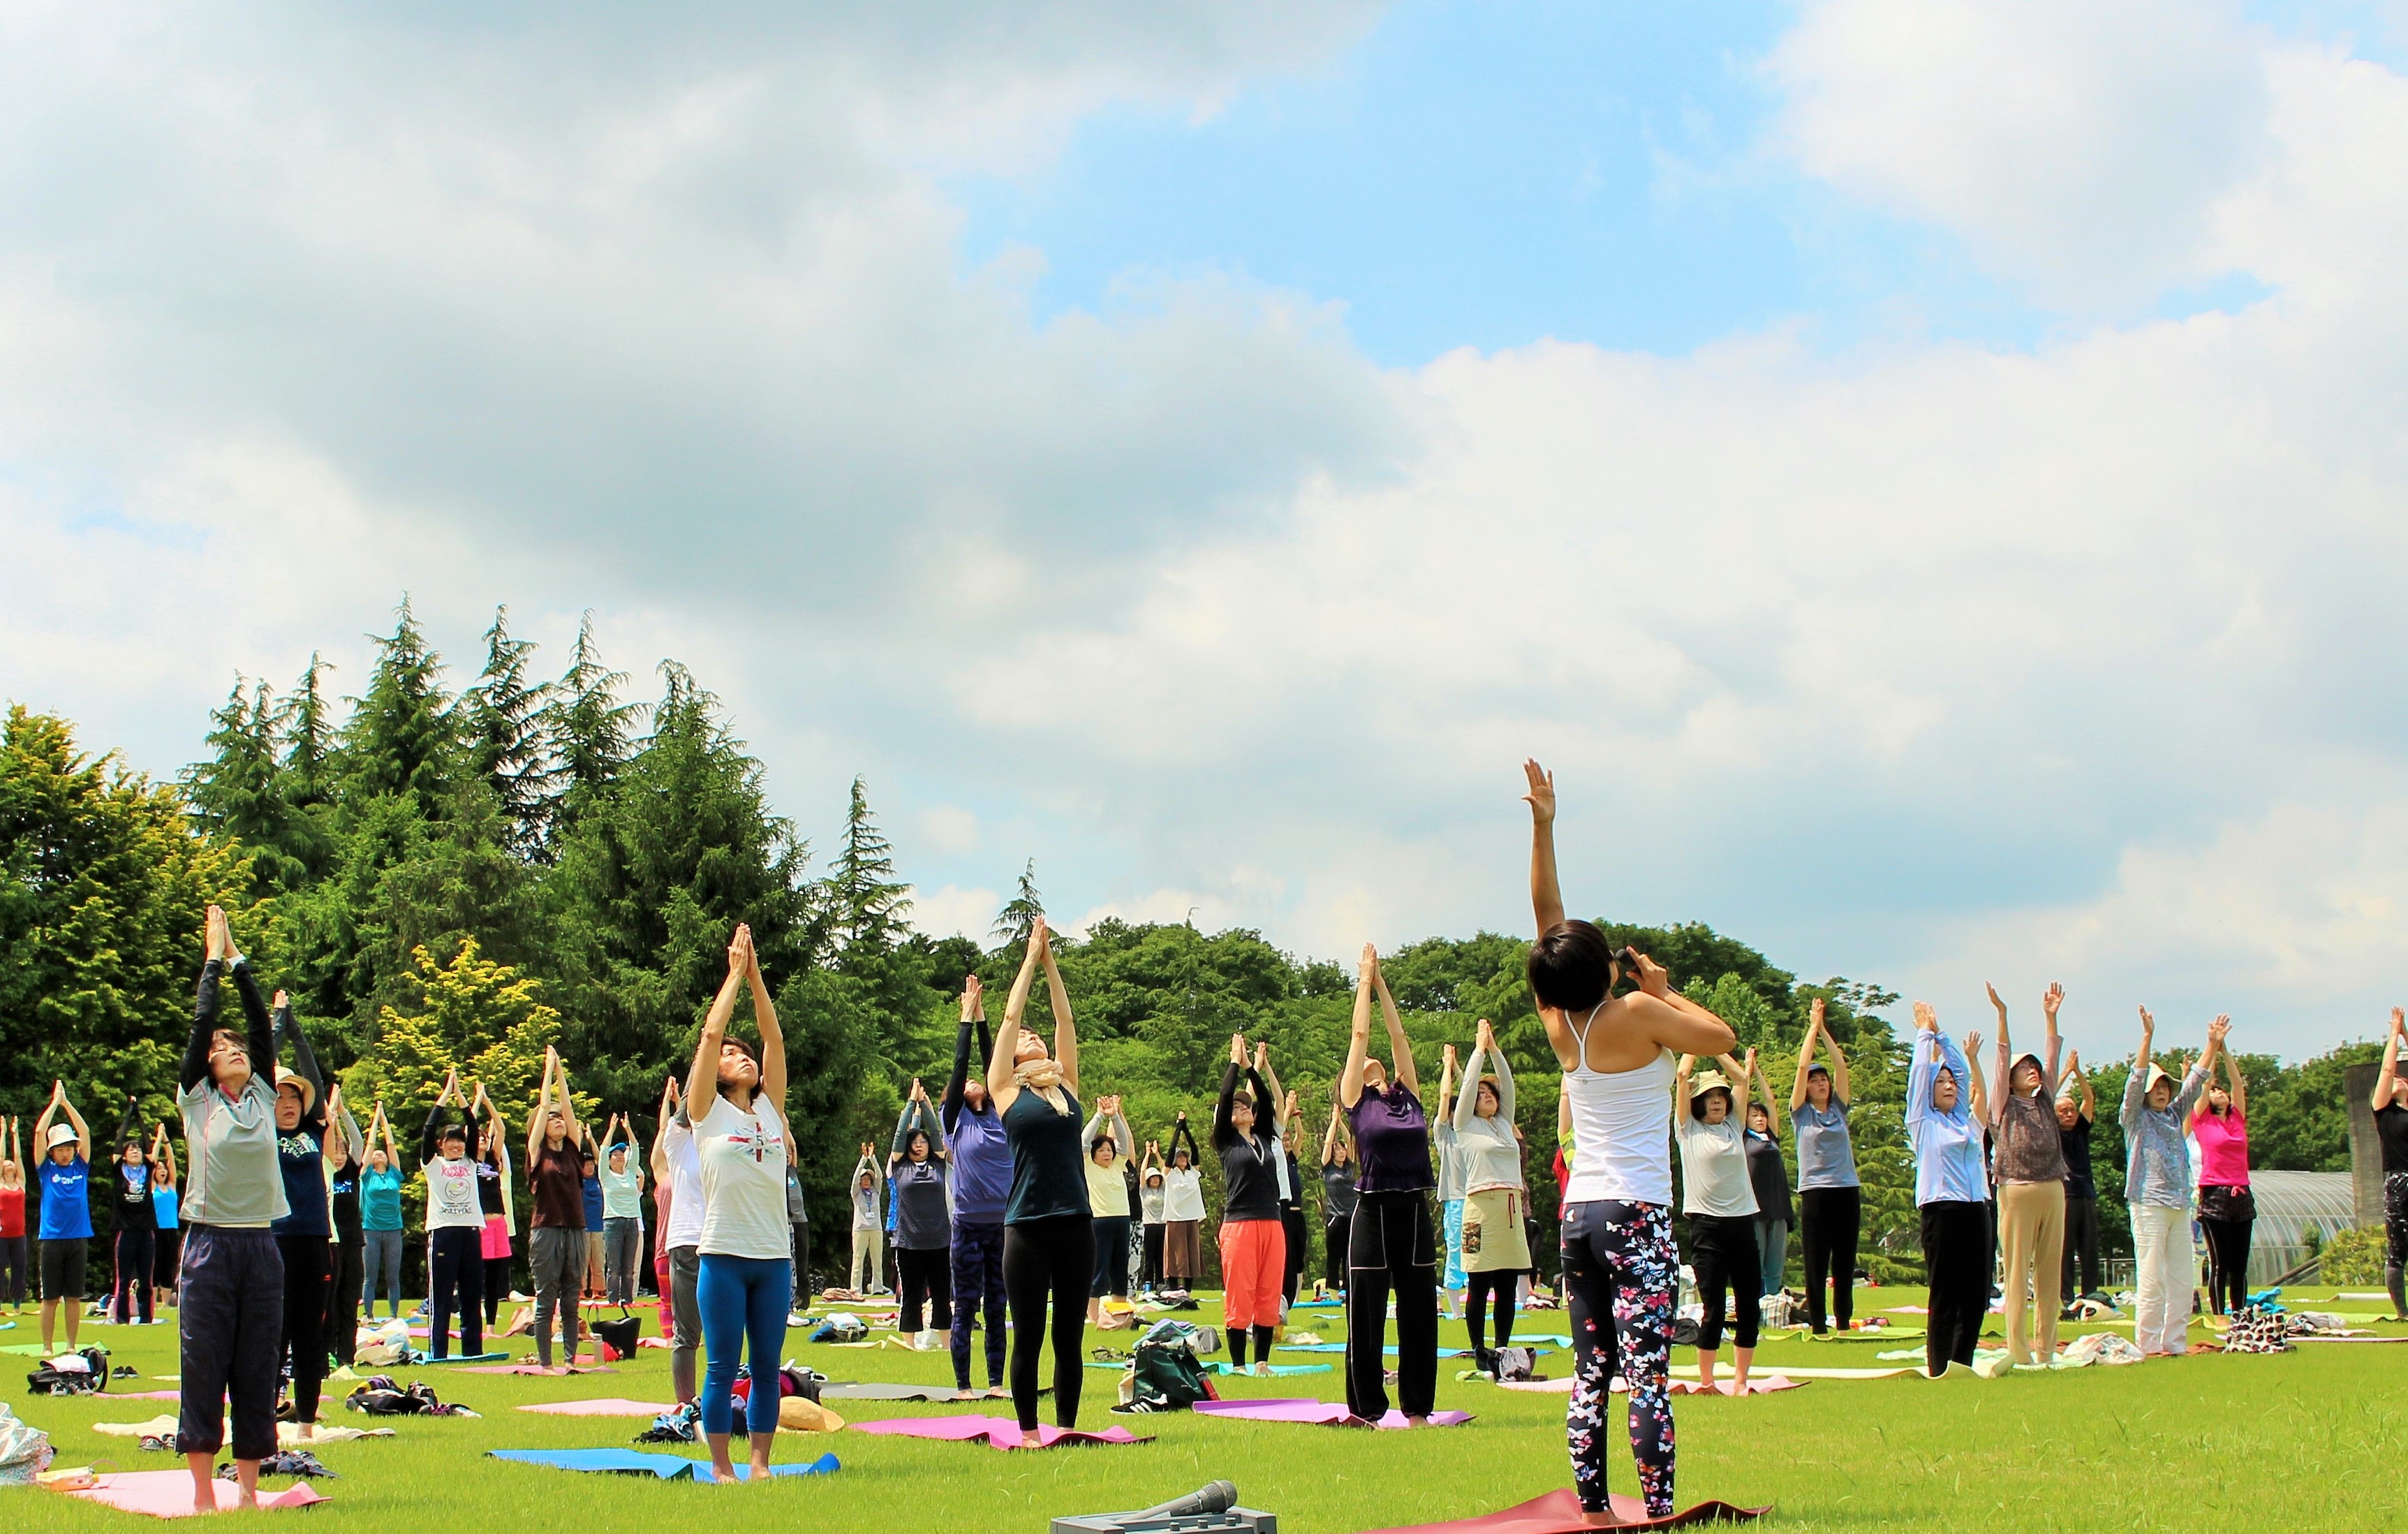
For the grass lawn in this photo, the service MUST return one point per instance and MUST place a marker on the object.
(2308, 1440)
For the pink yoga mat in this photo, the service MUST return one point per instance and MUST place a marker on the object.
(1763, 1385)
(1320, 1413)
(142, 1396)
(1559, 1512)
(555, 1371)
(604, 1406)
(168, 1494)
(998, 1432)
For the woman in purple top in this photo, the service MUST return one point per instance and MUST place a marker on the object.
(1390, 1244)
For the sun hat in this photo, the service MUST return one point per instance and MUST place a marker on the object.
(61, 1134)
(299, 1084)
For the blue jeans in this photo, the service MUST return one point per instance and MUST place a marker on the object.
(1772, 1246)
(384, 1252)
(743, 1302)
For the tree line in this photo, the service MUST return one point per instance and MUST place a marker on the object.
(463, 877)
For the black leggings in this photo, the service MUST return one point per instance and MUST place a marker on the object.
(1723, 1254)
(1053, 1259)
(1828, 1220)
(343, 1300)
(305, 1318)
(1477, 1288)
(2228, 1264)
(2395, 1239)
(927, 1277)
(13, 1274)
(134, 1259)
(497, 1284)
(1389, 1243)
(1292, 1222)
(1334, 1236)
(2081, 1247)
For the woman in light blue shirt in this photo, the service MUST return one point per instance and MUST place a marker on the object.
(2157, 1184)
(1943, 1125)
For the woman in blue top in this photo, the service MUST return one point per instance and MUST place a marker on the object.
(1049, 1235)
(1831, 1202)
(380, 1227)
(64, 1178)
(305, 1234)
(167, 1210)
(1951, 1189)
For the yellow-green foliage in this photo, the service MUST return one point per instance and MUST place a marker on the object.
(485, 1018)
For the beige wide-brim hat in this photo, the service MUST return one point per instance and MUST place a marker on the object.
(1708, 1081)
(61, 1134)
(299, 1084)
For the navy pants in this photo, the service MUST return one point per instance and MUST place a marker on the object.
(230, 1322)
(456, 1267)
(977, 1283)
(743, 1304)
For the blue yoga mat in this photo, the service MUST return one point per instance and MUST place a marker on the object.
(665, 1467)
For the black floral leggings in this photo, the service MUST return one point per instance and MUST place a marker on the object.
(1621, 1271)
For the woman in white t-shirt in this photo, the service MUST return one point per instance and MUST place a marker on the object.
(738, 1108)
(1719, 1199)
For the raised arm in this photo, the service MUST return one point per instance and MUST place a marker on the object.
(166, 1153)
(702, 1079)
(1066, 1033)
(1764, 1095)
(2234, 1081)
(1841, 1093)
(348, 1126)
(2002, 1088)
(1547, 891)
(542, 1114)
(1925, 1067)
(1401, 1064)
(83, 1130)
(1358, 1041)
(196, 1066)
(2050, 1000)
(1329, 1137)
(1673, 1020)
(2390, 1071)
(1806, 1058)
(1962, 1062)
(1223, 1129)
(1563, 1113)
(973, 1008)
(1126, 1140)
(660, 1157)
(1487, 1036)
(1277, 1114)
(773, 1038)
(1002, 1086)
(2075, 1074)
(1681, 1074)
(1180, 1129)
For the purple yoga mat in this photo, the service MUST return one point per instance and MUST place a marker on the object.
(1319, 1414)
(1559, 1512)
(998, 1432)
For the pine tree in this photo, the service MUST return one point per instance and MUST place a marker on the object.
(866, 901)
(507, 731)
(1019, 917)
(399, 739)
(306, 735)
(238, 793)
(589, 730)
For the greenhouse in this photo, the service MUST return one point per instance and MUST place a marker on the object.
(2291, 1205)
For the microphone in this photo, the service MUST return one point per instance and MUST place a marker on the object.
(1218, 1496)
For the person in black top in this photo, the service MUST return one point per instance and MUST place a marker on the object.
(1048, 1236)
(346, 1259)
(2077, 1106)
(1767, 1173)
(2391, 1128)
(1291, 1200)
(1253, 1232)
(137, 1222)
(302, 1234)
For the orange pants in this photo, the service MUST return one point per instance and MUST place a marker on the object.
(1254, 1260)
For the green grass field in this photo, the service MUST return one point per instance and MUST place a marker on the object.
(2307, 1440)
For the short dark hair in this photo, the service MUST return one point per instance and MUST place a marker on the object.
(453, 1131)
(1570, 966)
(1698, 1103)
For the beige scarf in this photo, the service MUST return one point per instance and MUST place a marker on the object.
(1043, 1076)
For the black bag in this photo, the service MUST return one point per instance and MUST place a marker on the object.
(621, 1334)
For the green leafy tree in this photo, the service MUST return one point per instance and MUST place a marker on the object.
(486, 1020)
(103, 882)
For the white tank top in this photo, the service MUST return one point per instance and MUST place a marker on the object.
(1622, 1128)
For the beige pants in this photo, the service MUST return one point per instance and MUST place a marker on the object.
(2032, 1220)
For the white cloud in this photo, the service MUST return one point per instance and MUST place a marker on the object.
(2079, 147)
(955, 912)
(949, 828)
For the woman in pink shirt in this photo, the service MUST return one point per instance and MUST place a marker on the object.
(2220, 1123)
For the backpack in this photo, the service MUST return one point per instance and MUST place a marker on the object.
(1165, 1374)
(619, 1336)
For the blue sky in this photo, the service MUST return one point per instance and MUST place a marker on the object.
(1926, 474)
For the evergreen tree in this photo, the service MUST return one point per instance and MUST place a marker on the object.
(590, 730)
(866, 903)
(399, 739)
(1019, 915)
(239, 793)
(507, 731)
(307, 737)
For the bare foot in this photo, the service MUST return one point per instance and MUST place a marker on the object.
(1607, 1519)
